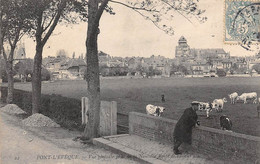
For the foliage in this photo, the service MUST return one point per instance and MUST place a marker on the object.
(14, 23)
(161, 12)
(113, 71)
(64, 111)
(45, 15)
(151, 71)
(178, 68)
(62, 54)
(46, 75)
(221, 73)
(256, 67)
(24, 68)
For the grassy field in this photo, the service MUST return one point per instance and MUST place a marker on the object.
(135, 94)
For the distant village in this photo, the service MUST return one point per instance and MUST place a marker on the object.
(186, 62)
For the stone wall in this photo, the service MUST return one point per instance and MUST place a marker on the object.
(208, 140)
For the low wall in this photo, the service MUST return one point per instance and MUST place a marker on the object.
(207, 140)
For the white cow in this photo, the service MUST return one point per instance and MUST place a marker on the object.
(203, 106)
(245, 96)
(233, 97)
(154, 110)
(219, 104)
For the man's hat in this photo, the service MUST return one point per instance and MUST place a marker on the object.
(194, 103)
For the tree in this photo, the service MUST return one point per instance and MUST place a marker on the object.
(174, 68)
(62, 54)
(221, 73)
(139, 68)
(46, 15)
(183, 69)
(24, 68)
(256, 67)
(150, 10)
(14, 16)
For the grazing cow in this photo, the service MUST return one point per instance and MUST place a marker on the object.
(225, 123)
(205, 107)
(233, 97)
(245, 96)
(218, 104)
(154, 110)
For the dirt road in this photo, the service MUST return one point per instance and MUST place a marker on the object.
(21, 145)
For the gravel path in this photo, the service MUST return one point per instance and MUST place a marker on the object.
(36, 145)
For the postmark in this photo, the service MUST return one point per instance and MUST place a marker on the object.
(242, 23)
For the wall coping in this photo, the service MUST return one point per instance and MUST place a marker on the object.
(233, 134)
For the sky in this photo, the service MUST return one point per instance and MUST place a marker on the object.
(127, 34)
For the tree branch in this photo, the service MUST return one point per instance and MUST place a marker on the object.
(100, 11)
(43, 21)
(4, 54)
(134, 8)
(55, 22)
(154, 22)
(176, 10)
(16, 39)
(52, 18)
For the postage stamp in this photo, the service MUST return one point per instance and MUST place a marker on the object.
(242, 24)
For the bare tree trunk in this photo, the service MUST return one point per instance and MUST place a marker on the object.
(93, 82)
(10, 78)
(36, 80)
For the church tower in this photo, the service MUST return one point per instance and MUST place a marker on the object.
(20, 52)
(183, 49)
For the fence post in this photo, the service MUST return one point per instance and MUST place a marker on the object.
(113, 118)
(108, 118)
(84, 109)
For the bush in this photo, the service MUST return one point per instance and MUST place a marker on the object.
(221, 73)
(46, 75)
(3, 75)
(64, 111)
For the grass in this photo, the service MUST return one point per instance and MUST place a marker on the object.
(135, 94)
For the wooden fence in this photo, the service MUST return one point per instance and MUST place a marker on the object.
(108, 116)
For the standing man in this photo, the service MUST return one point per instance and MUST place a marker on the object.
(163, 99)
(183, 129)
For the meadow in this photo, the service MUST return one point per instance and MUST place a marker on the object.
(135, 94)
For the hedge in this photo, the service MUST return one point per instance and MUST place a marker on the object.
(64, 111)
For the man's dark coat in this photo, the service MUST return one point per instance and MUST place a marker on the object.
(183, 128)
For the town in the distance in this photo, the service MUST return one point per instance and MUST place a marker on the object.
(186, 62)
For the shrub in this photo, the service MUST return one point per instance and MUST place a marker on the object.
(46, 75)
(221, 73)
(64, 111)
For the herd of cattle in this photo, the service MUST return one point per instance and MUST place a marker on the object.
(217, 104)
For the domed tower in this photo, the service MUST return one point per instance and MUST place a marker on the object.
(183, 49)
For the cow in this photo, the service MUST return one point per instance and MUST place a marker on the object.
(218, 104)
(203, 106)
(245, 96)
(233, 97)
(154, 110)
(225, 123)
